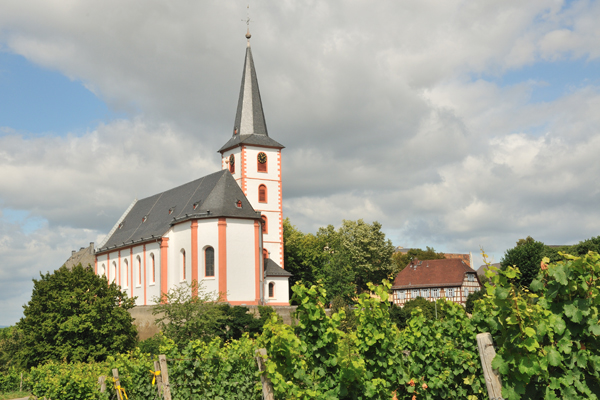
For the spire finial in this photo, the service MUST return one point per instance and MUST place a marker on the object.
(248, 35)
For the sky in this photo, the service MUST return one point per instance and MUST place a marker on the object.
(458, 125)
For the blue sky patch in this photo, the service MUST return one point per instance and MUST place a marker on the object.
(38, 100)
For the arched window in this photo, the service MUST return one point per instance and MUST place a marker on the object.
(265, 254)
(126, 280)
(139, 269)
(261, 162)
(182, 264)
(271, 289)
(265, 228)
(113, 274)
(102, 270)
(262, 194)
(152, 268)
(209, 261)
(232, 164)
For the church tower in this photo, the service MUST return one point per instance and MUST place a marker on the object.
(254, 160)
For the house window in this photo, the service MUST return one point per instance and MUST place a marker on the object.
(400, 294)
(126, 273)
(264, 224)
(182, 264)
(139, 263)
(271, 289)
(232, 164)
(425, 293)
(261, 162)
(262, 194)
(450, 292)
(466, 290)
(477, 289)
(470, 277)
(209, 261)
(435, 293)
(153, 268)
(414, 294)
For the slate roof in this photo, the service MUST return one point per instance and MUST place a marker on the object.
(432, 273)
(250, 126)
(215, 195)
(272, 269)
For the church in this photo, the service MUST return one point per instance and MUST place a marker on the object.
(224, 229)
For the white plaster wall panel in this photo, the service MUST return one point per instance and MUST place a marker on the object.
(208, 235)
(281, 290)
(240, 260)
(237, 154)
(252, 159)
(181, 239)
(152, 286)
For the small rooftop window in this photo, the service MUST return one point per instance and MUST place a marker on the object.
(120, 225)
(144, 218)
(195, 205)
(171, 210)
(238, 204)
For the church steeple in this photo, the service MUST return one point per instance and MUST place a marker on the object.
(250, 126)
(250, 118)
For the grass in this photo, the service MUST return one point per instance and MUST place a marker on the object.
(14, 395)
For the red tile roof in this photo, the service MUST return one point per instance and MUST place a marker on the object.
(432, 273)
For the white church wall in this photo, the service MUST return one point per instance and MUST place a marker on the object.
(152, 282)
(180, 244)
(252, 160)
(241, 254)
(208, 235)
(237, 154)
(281, 290)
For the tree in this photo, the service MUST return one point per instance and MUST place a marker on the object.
(75, 315)
(472, 298)
(585, 246)
(183, 316)
(401, 260)
(526, 255)
(11, 342)
(401, 315)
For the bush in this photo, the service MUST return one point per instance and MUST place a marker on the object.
(471, 299)
(75, 315)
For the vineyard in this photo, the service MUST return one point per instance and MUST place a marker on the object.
(546, 338)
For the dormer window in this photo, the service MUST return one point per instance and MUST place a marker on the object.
(195, 205)
(171, 210)
(471, 277)
(144, 218)
(238, 204)
(120, 225)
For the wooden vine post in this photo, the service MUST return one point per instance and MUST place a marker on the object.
(115, 373)
(164, 373)
(102, 383)
(158, 378)
(267, 386)
(487, 354)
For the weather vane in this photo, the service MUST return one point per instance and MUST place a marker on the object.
(248, 36)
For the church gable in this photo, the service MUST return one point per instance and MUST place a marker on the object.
(212, 196)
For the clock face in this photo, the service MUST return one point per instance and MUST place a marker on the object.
(262, 157)
(231, 160)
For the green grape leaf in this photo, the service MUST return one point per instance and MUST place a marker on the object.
(553, 356)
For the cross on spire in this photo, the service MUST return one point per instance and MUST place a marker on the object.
(248, 36)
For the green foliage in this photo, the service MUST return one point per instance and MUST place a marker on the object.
(11, 342)
(343, 260)
(214, 370)
(471, 299)
(401, 260)
(547, 338)
(183, 316)
(339, 304)
(443, 361)
(401, 315)
(526, 255)
(237, 321)
(151, 345)
(10, 379)
(320, 361)
(585, 246)
(75, 315)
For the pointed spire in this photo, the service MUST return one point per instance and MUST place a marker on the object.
(249, 118)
